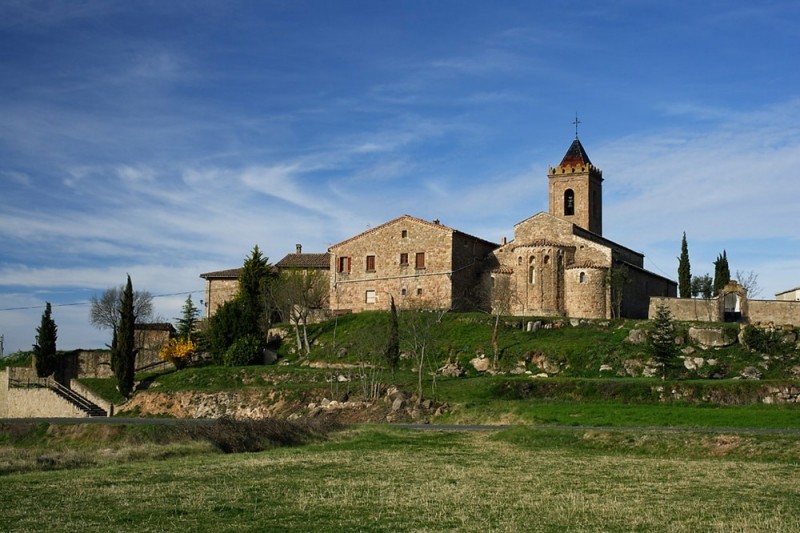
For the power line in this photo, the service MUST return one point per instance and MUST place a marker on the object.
(87, 302)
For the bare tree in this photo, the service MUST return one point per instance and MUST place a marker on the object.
(297, 294)
(616, 278)
(749, 280)
(501, 297)
(419, 327)
(105, 310)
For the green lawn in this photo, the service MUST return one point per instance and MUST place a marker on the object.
(384, 479)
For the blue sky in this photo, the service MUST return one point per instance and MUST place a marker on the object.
(165, 139)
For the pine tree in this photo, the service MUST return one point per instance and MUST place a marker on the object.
(252, 290)
(722, 274)
(44, 350)
(123, 349)
(188, 319)
(684, 272)
(662, 340)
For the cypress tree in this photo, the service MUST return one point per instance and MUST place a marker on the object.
(393, 344)
(684, 272)
(44, 350)
(722, 274)
(123, 350)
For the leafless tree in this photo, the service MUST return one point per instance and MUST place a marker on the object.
(105, 309)
(419, 331)
(297, 294)
(749, 280)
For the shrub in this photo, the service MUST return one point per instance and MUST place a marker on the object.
(767, 342)
(237, 436)
(244, 351)
(177, 351)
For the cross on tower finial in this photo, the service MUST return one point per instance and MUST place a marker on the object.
(576, 122)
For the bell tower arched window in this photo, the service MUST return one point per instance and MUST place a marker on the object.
(569, 202)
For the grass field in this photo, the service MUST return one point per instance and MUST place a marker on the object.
(388, 479)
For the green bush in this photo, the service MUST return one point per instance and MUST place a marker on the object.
(767, 342)
(244, 351)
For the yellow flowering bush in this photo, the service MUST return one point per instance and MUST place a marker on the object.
(178, 352)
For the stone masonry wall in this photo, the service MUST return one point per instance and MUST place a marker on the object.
(219, 291)
(39, 403)
(410, 286)
(586, 293)
(775, 311)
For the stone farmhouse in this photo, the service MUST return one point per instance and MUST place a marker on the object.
(222, 285)
(418, 263)
(558, 263)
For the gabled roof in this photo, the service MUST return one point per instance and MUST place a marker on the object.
(576, 156)
(435, 224)
(231, 273)
(301, 260)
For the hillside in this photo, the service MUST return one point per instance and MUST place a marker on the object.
(345, 374)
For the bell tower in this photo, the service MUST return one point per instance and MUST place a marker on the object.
(576, 189)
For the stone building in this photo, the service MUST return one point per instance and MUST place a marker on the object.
(223, 285)
(792, 295)
(419, 263)
(559, 264)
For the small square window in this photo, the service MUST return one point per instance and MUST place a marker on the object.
(344, 265)
(370, 297)
(419, 291)
(404, 233)
(403, 291)
(403, 259)
(420, 260)
(370, 263)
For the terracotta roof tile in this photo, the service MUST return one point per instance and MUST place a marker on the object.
(318, 261)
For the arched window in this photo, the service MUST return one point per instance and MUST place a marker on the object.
(532, 270)
(582, 277)
(569, 202)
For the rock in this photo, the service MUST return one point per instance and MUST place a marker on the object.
(650, 371)
(481, 364)
(451, 370)
(750, 372)
(693, 363)
(270, 356)
(533, 326)
(341, 378)
(543, 363)
(688, 350)
(606, 368)
(398, 404)
(709, 337)
(574, 322)
(633, 367)
(542, 375)
(636, 336)
(426, 404)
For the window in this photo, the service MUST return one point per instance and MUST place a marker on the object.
(403, 259)
(344, 265)
(582, 277)
(569, 202)
(532, 270)
(370, 297)
(370, 263)
(404, 233)
(420, 260)
(419, 291)
(403, 291)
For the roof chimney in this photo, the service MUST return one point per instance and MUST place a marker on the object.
(504, 241)
(436, 221)
(298, 248)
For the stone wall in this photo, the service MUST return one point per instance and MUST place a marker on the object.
(775, 311)
(219, 291)
(756, 311)
(39, 403)
(366, 285)
(18, 402)
(586, 292)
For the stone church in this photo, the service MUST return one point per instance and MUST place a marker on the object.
(558, 264)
